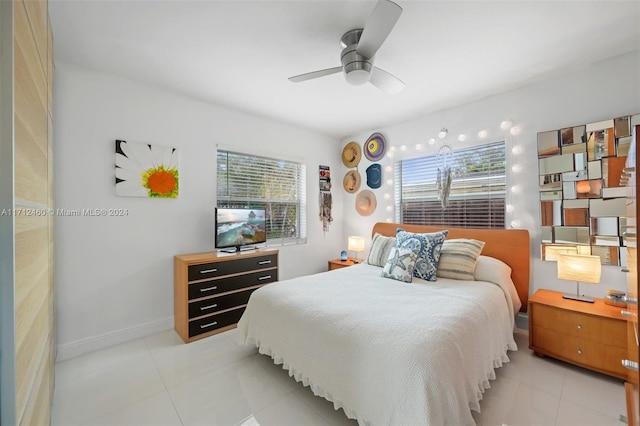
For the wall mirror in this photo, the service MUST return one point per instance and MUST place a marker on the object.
(582, 198)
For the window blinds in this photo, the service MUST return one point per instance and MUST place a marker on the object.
(279, 186)
(477, 197)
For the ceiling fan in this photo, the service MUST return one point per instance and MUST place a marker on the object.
(359, 47)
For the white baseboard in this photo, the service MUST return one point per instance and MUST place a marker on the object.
(522, 321)
(89, 344)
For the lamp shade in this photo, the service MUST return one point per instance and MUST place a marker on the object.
(579, 267)
(355, 244)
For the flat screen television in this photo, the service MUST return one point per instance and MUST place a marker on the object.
(239, 228)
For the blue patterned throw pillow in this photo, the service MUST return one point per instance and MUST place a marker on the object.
(428, 247)
(400, 264)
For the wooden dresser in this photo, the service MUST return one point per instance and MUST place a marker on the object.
(591, 335)
(211, 290)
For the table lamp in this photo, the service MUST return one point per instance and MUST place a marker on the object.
(355, 244)
(579, 267)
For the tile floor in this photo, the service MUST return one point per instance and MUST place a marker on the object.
(159, 380)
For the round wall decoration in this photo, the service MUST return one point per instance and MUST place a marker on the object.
(375, 147)
(351, 154)
(351, 181)
(366, 202)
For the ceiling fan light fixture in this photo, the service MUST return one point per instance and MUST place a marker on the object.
(359, 47)
(357, 77)
(357, 68)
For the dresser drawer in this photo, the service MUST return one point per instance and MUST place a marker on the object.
(220, 303)
(217, 269)
(601, 357)
(607, 331)
(213, 287)
(213, 322)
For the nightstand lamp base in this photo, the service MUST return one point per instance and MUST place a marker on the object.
(579, 298)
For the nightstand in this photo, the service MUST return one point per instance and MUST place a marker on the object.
(337, 263)
(590, 335)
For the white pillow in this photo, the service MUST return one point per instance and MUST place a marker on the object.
(496, 271)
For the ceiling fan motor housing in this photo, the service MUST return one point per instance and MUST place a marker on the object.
(357, 68)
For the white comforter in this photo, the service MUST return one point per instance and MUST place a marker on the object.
(387, 352)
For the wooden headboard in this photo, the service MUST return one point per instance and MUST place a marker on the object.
(509, 245)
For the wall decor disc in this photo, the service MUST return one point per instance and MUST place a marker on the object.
(375, 147)
(366, 202)
(351, 181)
(351, 154)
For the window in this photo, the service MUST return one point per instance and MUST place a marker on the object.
(477, 197)
(246, 180)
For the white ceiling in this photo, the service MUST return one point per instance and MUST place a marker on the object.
(239, 54)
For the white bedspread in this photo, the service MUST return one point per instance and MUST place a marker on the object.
(387, 352)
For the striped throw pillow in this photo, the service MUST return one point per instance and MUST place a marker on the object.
(458, 258)
(380, 248)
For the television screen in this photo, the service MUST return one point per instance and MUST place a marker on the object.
(237, 227)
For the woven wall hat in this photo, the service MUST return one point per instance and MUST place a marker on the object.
(351, 154)
(366, 202)
(351, 181)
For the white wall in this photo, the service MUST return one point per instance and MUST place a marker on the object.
(114, 275)
(605, 90)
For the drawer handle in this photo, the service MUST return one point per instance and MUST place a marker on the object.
(264, 262)
(204, 308)
(211, 324)
(579, 351)
(630, 365)
(206, 271)
(215, 287)
(579, 327)
(266, 277)
(628, 314)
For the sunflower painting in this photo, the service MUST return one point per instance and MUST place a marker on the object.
(144, 170)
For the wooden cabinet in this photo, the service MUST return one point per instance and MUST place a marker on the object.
(337, 263)
(211, 290)
(591, 335)
(631, 243)
(27, 296)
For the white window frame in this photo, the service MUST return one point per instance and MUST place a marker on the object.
(421, 172)
(267, 172)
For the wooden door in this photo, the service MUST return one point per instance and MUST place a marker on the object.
(631, 385)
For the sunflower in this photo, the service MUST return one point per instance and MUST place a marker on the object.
(144, 170)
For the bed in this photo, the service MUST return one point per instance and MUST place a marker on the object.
(395, 353)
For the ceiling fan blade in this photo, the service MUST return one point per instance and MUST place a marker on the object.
(315, 74)
(381, 22)
(385, 81)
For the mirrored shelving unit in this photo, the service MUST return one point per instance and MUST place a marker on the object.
(582, 188)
